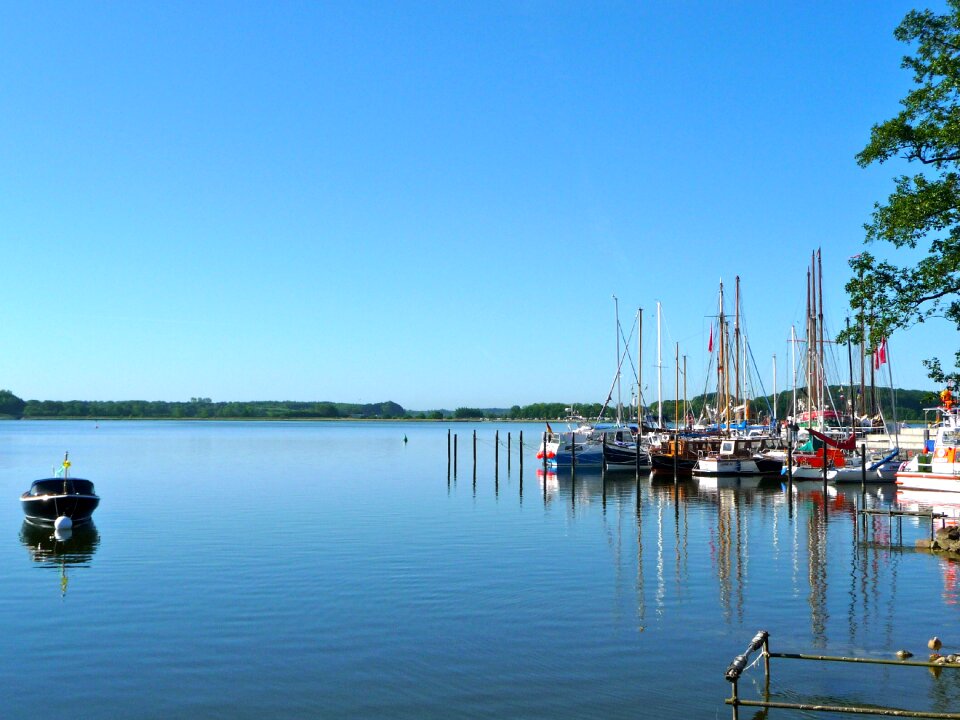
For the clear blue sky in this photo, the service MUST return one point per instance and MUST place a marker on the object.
(427, 202)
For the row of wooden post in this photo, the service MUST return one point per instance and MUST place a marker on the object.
(452, 453)
(452, 457)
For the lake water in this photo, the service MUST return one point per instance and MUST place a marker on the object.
(294, 570)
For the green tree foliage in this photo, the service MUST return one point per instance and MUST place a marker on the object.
(909, 403)
(10, 404)
(555, 411)
(201, 408)
(925, 207)
(465, 413)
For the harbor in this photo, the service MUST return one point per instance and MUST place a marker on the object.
(495, 361)
(390, 589)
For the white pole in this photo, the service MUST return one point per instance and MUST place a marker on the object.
(639, 371)
(793, 362)
(659, 373)
(774, 386)
(616, 305)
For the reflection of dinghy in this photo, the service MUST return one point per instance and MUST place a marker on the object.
(73, 547)
(878, 471)
(728, 482)
(944, 502)
(51, 499)
(60, 549)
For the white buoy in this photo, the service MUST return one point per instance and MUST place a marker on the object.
(63, 523)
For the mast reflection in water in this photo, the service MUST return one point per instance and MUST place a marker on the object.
(392, 591)
(756, 540)
(60, 550)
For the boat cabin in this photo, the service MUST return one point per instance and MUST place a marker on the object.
(61, 486)
(739, 447)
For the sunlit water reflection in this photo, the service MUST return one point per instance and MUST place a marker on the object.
(286, 570)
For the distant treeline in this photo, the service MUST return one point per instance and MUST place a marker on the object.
(552, 411)
(196, 408)
(910, 404)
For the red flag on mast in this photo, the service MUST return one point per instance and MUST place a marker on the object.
(710, 345)
(880, 356)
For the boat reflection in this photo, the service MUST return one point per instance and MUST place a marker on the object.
(745, 482)
(754, 535)
(944, 503)
(585, 486)
(58, 550)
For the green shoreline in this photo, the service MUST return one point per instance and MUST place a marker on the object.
(79, 418)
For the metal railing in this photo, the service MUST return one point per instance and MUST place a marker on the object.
(761, 641)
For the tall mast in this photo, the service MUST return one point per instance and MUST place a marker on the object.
(873, 384)
(863, 357)
(724, 344)
(850, 364)
(736, 348)
(723, 389)
(616, 312)
(639, 370)
(685, 411)
(676, 402)
(821, 364)
(810, 343)
(659, 373)
(793, 367)
(745, 386)
(776, 411)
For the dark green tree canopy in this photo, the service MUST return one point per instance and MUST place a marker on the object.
(10, 404)
(925, 207)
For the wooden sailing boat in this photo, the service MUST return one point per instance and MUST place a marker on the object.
(737, 455)
(831, 431)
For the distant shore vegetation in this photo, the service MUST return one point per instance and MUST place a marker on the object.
(910, 404)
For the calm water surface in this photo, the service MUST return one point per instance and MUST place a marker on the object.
(292, 570)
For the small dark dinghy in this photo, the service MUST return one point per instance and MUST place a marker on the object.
(61, 501)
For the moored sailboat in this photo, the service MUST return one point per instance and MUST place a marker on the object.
(735, 455)
(940, 469)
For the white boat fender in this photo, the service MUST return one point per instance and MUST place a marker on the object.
(63, 523)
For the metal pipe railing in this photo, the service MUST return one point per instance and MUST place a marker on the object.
(761, 641)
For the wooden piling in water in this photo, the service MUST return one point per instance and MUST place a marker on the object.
(824, 470)
(474, 454)
(521, 463)
(790, 463)
(637, 445)
(676, 457)
(508, 451)
(863, 467)
(573, 454)
(496, 453)
(454, 454)
(521, 454)
(544, 448)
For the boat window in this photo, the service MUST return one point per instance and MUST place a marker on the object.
(55, 486)
(951, 437)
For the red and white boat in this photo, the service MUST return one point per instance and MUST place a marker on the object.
(939, 470)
